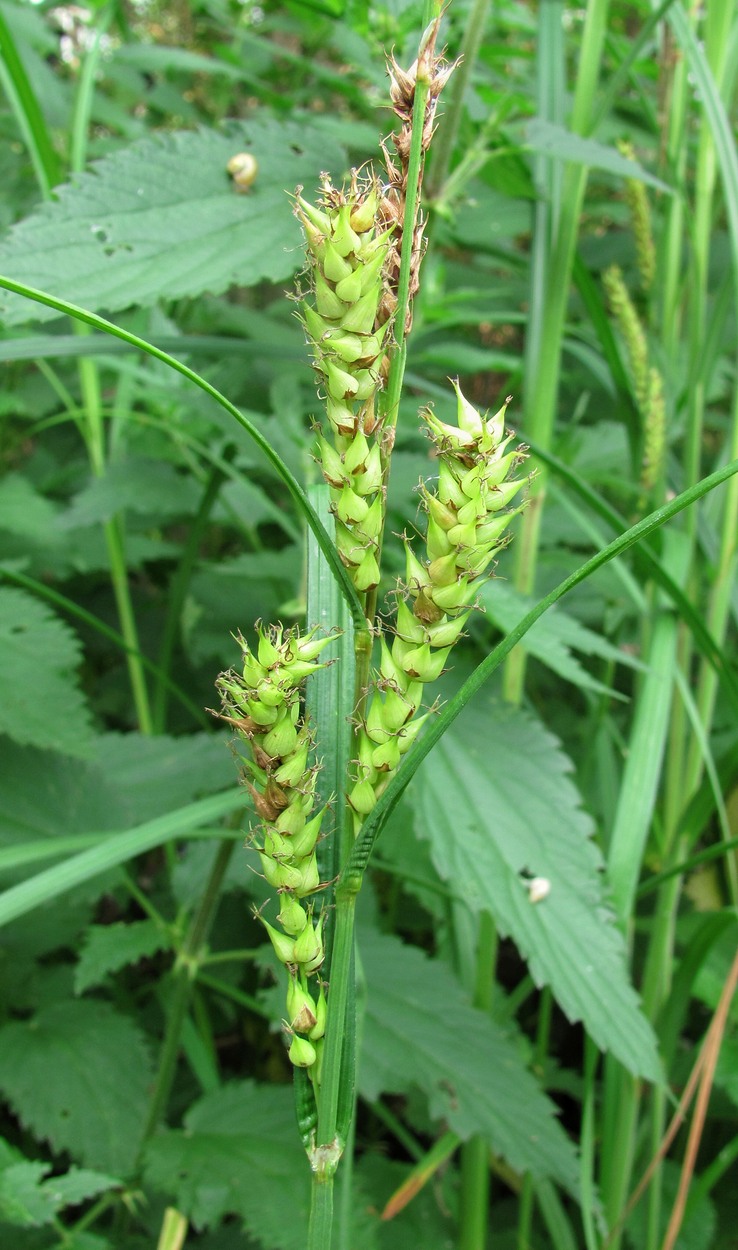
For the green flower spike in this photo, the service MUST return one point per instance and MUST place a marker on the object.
(347, 245)
(468, 514)
(263, 703)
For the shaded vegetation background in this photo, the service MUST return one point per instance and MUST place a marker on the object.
(140, 529)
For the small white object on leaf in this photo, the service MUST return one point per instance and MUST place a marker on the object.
(538, 889)
(243, 168)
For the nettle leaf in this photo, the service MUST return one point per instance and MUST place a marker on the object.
(421, 1032)
(27, 1200)
(152, 776)
(239, 1153)
(78, 1075)
(23, 1200)
(40, 703)
(498, 807)
(78, 1185)
(553, 638)
(135, 484)
(24, 512)
(112, 946)
(127, 779)
(162, 218)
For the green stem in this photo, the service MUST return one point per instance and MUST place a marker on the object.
(448, 129)
(27, 111)
(527, 1196)
(178, 589)
(115, 544)
(541, 398)
(320, 1228)
(185, 972)
(475, 1174)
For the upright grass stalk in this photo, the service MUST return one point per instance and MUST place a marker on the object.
(475, 1174)
(541, 392)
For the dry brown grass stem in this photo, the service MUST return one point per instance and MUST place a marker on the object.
(433, 71)
(700, 1080)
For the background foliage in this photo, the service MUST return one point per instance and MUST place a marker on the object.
(141, 1062)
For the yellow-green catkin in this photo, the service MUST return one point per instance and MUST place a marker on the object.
(467, 515)
(639, 205)
(654, 440)
(262, 702)
(347, 243)
(647, 382)
(629, 323)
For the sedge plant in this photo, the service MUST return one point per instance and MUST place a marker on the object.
(364, 244)
(332, 720)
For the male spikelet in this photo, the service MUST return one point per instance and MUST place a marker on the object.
(430, 70)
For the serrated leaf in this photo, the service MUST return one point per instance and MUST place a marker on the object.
(152, 776)
(28, 1200)
(162, 218)
(553, 638)
(78, 1185)
(239, 1153)
(135, 484)
(420, 1031)
(24, 512)
(550, 139)
(498, 807)
(23, 1201)
(78, 1076)
(112, 946)
(40, 703)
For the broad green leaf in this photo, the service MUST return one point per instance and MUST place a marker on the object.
(550, 139)
(144, 486)
(109, 947)
(24, 512)
(239, 1153)
(23, 1201)
(499, 809)
(163, 219)
(28, 1200)
(126, 779)
(426, 1221)
(152, 776)
(78, 1076)
(40, 702)
(421, 1032)
(229, 596)
(78, 1185)
(553, 638)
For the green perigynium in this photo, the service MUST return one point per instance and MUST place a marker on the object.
(467, 514)
(263, 704)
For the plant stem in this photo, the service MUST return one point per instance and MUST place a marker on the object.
(448, 129)
(475, 1175)
(185, 973)
(527, 1197)
(178, 588)
(541, 399)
